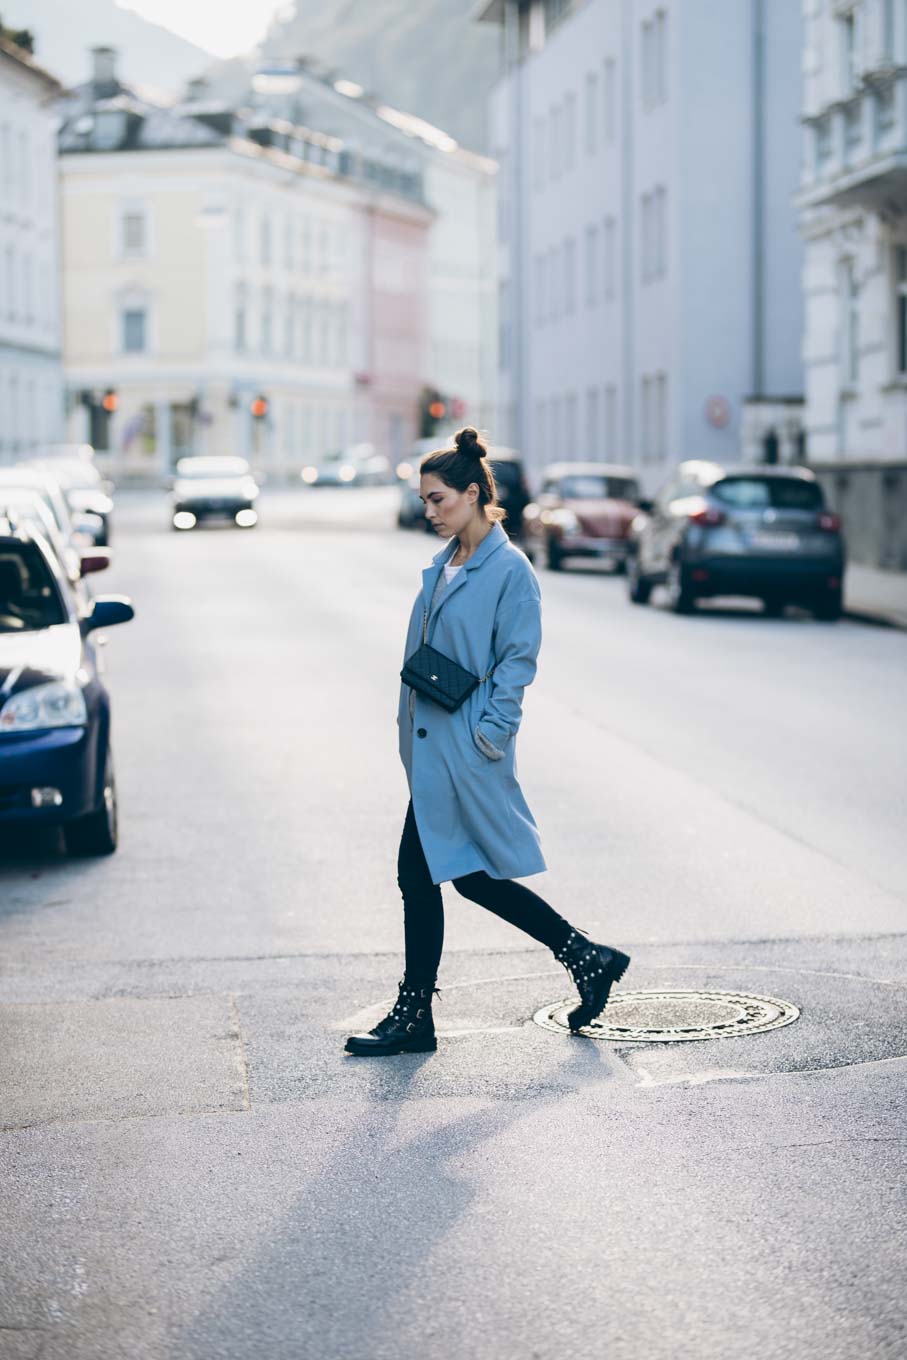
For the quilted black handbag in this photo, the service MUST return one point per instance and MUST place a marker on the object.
(436, 677)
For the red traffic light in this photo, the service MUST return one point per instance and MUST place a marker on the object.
(437, 410)
(110, 401)
(259, 407)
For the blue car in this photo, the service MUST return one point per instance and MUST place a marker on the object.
(56, 762)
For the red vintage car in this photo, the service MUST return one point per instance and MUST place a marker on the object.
(583, 510)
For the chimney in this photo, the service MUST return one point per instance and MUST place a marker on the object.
(104, 72)
(196, 90)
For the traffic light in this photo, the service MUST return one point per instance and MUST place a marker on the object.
(432, 410)
(110, 401)
(259, 407)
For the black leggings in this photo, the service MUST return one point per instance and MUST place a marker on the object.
(423, 910)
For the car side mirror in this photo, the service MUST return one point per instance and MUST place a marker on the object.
(107, 610)
(646, 506)
(95, 559)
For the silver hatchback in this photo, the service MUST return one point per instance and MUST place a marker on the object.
(762, 531)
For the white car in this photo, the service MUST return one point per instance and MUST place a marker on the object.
(214, 488)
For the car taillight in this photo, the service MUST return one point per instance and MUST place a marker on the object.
(707, 516)
(829, 522)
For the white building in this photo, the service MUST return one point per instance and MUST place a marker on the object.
(460, 189)
(31, 375)
(853, 202)
(217, 266)
(648, 254)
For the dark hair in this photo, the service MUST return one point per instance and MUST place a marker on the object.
(468, 462)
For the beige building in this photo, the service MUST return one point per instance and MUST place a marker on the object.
(211, 263)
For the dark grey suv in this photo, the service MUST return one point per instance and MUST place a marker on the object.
(762, 531)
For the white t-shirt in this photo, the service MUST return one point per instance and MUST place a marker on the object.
(450, 572)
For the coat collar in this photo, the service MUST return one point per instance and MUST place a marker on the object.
(493, 540)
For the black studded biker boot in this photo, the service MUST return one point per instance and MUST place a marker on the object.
(408, 1028)
(594, 968)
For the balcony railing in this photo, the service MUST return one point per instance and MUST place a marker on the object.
(857, 147)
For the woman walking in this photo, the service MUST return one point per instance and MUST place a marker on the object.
(467, 820)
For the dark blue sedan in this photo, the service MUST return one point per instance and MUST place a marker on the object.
(56, 762)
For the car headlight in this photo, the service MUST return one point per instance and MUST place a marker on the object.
(58, 704)
(566, 521)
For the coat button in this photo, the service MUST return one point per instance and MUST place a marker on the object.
(421, 732)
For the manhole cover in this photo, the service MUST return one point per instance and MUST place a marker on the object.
(672, 1017)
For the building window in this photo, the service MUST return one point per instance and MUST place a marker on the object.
(592, 446)
(134, 233)
(611, 421)
(853, 128)
(554, 294)
(569, 276)
(240, 338)
(661, 416)
(265, 241)
(267, 322)
(900, 277)
(661, 232)
(654, 60)
(610, 236)
(134, 330)
(888, 31)
(849, 55)
(539, 289)
(591, 113)
(591, 270)
(823, 144)
(645, 419)
(554, 122)
(850, 324)
(569, 131)
(885, 115)
(609, 100)
(556, 447)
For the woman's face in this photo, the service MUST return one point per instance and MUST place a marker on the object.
(449, 510)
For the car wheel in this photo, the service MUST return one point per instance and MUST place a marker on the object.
(681, 599)
(554, 558)
(830, 606)
(773, 607)
(97, 833)
(638, 588)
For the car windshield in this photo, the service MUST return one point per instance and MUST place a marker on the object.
(212, 467)
(506, 474)
(29, 598)
(592, 486)
(763, 493)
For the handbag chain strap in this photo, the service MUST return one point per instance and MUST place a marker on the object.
(425, 640)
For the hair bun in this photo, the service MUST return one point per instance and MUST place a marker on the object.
(467, 441)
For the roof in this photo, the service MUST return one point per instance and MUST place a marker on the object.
(588, 469)
(719, 470)
(127, 123)
(25, 59)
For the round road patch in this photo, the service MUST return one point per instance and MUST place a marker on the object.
(673, 1017)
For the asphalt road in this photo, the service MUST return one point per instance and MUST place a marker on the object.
(191, 1167)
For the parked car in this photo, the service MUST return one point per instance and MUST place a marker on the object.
(760, 531)
(86, 491)
(78, 531)
(359, 465)
(213, 488)
(584, 509)
(56, 759)
(510, 479)
(24, 506)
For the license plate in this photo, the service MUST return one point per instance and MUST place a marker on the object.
(777, 542)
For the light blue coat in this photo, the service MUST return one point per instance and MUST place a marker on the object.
(462, 773)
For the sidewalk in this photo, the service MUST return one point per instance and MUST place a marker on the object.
(876, 596)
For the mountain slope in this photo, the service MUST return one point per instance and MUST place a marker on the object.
(149, 55)
(428, 57)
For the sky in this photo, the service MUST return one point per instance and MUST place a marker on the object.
(224, 29)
